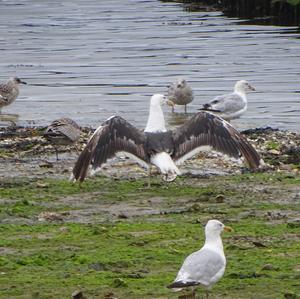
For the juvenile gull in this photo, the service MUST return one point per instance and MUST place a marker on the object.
(9, 91)
(160, 147)
(233, 105)
(207, 265)
(63, 131)
(180, 93)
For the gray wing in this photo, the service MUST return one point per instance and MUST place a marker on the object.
(227, 103)
(205, 129)
(201, 266)
(113, 136)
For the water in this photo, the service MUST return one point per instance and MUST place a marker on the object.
(91, 59)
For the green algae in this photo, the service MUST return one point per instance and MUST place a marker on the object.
(136, 257)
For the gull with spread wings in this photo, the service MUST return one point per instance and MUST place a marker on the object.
(166, 149)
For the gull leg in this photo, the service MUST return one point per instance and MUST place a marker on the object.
(185, 110)
(193, 294)
(207, 294)
(77, 149)
(149, 177)
(173, 109)
(56, 153)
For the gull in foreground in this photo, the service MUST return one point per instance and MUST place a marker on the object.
(63, 131)
(9, 91)
(161, 147)
(205, 266)
(230, 106)
(180, 93)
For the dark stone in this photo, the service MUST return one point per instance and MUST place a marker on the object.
(78, 295)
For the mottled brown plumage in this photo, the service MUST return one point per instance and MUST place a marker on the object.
(180, 93)
(63, 131)
(9, 91)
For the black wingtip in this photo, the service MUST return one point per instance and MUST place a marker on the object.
(207, 109)
(181, 284)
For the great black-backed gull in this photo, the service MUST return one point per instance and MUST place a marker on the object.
(161, 147)
(180, 93)
(233, 105)
(205, 266)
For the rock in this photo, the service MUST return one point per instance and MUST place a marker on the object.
(294, 223)
(110, 295)
(291, 296)
(50, 216)
(293, 154)
(46, 164)
(220, 198)
(64, 229)
(270, 267)
(274, 152)
(42, 185)
(119, 282)
(122, 215)
(97, 266)
(258, 244)
(78, 295)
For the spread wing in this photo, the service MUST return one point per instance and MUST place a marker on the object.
(208, 130)
(113, 136)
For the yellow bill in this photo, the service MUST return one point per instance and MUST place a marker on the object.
(228, 229)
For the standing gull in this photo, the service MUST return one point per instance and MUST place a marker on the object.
(233, 105)
(160, 147)
(63, 131)
(9, 91)
(180, 93)
(207, 265)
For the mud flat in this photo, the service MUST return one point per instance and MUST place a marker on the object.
(111, 237)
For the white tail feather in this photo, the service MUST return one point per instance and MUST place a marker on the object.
(164, 162)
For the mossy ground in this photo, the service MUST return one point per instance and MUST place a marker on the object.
(135, 253)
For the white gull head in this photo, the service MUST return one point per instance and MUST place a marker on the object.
(213, 230)
(243, 86)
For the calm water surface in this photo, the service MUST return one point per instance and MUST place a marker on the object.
(91, 59)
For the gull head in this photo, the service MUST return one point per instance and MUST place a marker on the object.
(160, 100)
(180, 83)
(215, 227)
(243, 86)
(16, 80)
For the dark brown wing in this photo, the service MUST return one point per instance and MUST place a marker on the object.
(205, 129)
(114, 135)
